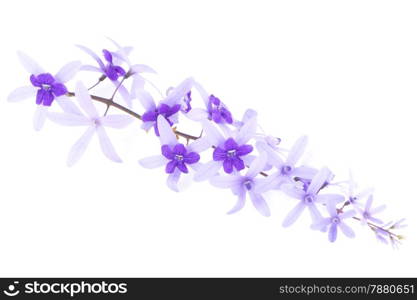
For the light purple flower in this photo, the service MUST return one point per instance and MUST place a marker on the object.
(174, 156)
(241, 185)
(354, 197)
(95, 125)
(167, 108)
(45, 87)
(308, 198)
(287, 170)
(215, 109)
(334, 222)
(230, 152)
(367, 213)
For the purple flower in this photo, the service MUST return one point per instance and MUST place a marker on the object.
(167, 108)
(175, 156)
(335, 222)
(287, 169)
(215, 109)
(367, 213)
(45, 87)
(355, 197)
(245, 184)
(94, 123)
(230, 152)
(186, 103)
(308, 198)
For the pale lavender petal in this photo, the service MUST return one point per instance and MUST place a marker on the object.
(147, 125)
(368, 204)
(247, 131)
(333, 233)
(366, 192)
(68, 71)
(146, 100)
(68, 105)
(93, 55)
(121, 89)
(66, 119)
(138, 68)
(304, 172)
(179, 92)
(260, 204)
(226, 182)
(172, 180)
(84, 100)
(90, 68)
(321, 177)
(122, 52)
(116, 121)
(207, 170)
(320, 224)
(326, 198)
(314, 213)
(294, 214)
(22, 93)
(292, 191)
(39, 117)
(273, 157)
(347, 214)
(257, 165)
(297, 151)
(138, 84)
(78, 149)
(212, 133)
(29, 64)
(248, 159)
(106, 145)
(346, 230)
(330, 206)
(166, 135)
(204, 95)
(268, 183)
(197, 114)
(377, 209)
(240, 202)
(199, 145)
(153, 162)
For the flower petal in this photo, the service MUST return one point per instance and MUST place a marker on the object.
(297, 151)
(273, 157)
(179, 92)
(138, 68)
(29, 64)
(197, 114)
(78, 149)
(93, 55)
(116, 121)
(326, 198)
(172, 180)
(68, 71)
(292, 191)
(166, 135)
(247, 131)
(377, 209)
(212, 133)
(257, 165)
(90, 68)
(226, 182)
(106, 145)
(240, 202)
(204, 95)
(314, 213)
(294, 214)
(22, 93)
(207, 170)
(199, 145)
(84, 100)
(333, 233)
(260, 204)
(304, 172)
(39, 117)
(68, 105)
(153, 162)
(321, 177)
(346, 230)
(66, 119)
(146, 100)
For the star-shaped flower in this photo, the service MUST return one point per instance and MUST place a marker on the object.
(95, 125)
(47, 88)
(367, 213)
(308, 198)
(175, 156)
(241, 185)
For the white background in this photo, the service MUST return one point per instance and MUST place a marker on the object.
(343, 72)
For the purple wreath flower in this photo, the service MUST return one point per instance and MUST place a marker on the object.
(308, 198)
(334, 222)
(95, 125)
(241, 185)
(174, 156)
(354, 197)
(215, 109)
(167, 108)
(230, 152)
(367, 213)
(287, 169)
(45, 87)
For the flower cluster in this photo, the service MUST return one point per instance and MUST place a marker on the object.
(240, 157)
